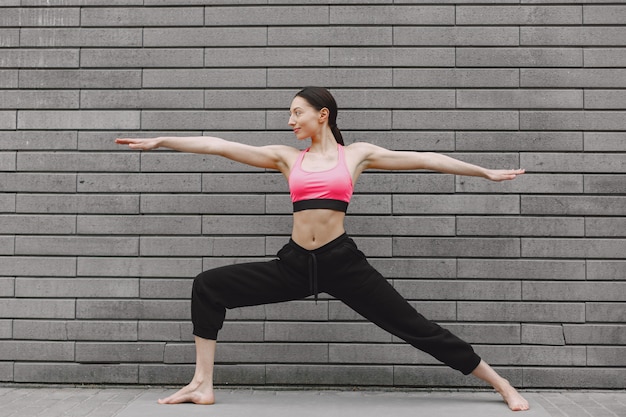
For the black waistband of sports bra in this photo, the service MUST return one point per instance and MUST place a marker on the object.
(320, 203)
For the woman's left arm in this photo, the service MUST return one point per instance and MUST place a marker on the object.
(375, 157)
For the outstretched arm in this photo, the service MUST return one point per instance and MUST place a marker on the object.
(380, 158)
(271, 157)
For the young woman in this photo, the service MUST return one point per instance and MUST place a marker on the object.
(320, 257)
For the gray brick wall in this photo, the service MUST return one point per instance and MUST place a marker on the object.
(99, 244)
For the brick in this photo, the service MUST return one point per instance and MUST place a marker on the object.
(330, 77)
(324, 332)
(573, 78)
(604, 15)
(458, 290)
(7, 289)
(572, 163)
(604, 57)
(529, 184)
(203, 36)
(456, 247)
(249, 99)
(437, 376)
(534, 355)
(83, 2)
(573, 205)
(606, 270)
(415, 268)
(392, 15)
(451, 119)
(246, 225)
(167, 225)
(574, 291)
(333, 35)
(171, 289)
(434, 310)
(265, 15)
(30, 140)
(141, 99)
(605, 312)
(7, 203)
(139, 183)
(184, 162)
(39, 58)
(39, 99)
(266, 57)
(119, 352)
(606, 184)
(7, 161)
(456, 78)
(393, 99)
(36, 308)
(8, 119)
(604, 99)
(74, 161)
(6, 329)
(401, 226)
(76, 287)
(160, 331)
(543, 334)
(519, 15)
(76, 373)
(142, 16)
(572, 377)
(99, 141)
(455, 36)
(102, 330)
(426, 141)
(75, 245)
(27, 182)
(377, 354)
(271, 352)
(8, 78)
(597, 334)
(81, 37)
(153, 119)
(605, 227)
(142, 267)
(506, 99)
(519, 57)
(455, 204)
(74, 203)
(572, 120)
(364, 119)
(330, 375)
(7, 245)
(521, 311)
(142, 58)
(573, 248)
(606, 356)
(25, 17)
(9, 38)
(38, 266)
(519, 141)
(544, 269)
(209, 204)
(210, 78)
(395, 57)
(244, 183)
(573, 36)
(176, 246)
(133, 309)
(34, 224)
(182, 374)
(43, 351)
(41, 119)
(520, 226)
(80, 79)
(294, 310)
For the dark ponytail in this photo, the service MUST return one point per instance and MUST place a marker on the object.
(320, 98)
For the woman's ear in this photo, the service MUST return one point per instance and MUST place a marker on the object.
(324, 115)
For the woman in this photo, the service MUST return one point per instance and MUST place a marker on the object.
(320, 256)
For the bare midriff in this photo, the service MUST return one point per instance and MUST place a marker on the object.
(315, 228)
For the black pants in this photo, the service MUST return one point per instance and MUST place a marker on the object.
(337, 268)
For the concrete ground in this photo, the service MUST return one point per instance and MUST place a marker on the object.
(52, 401)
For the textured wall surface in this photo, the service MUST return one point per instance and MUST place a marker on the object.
(99, 244)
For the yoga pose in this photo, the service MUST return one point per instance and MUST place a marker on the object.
(320, 257)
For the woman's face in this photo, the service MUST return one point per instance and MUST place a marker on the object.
(304, 119)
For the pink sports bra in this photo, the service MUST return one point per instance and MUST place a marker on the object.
(329, 189)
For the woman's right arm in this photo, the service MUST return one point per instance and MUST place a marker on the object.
(271, 156)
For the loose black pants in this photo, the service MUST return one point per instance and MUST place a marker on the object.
(337, 268)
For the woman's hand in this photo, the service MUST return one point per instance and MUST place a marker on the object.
(141, 144)
(503, 174)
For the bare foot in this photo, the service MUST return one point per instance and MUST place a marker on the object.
(196, 393)
(513, 398)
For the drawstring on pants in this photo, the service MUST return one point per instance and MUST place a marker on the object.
(313, 275)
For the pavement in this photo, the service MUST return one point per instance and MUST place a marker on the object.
(53, 401)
